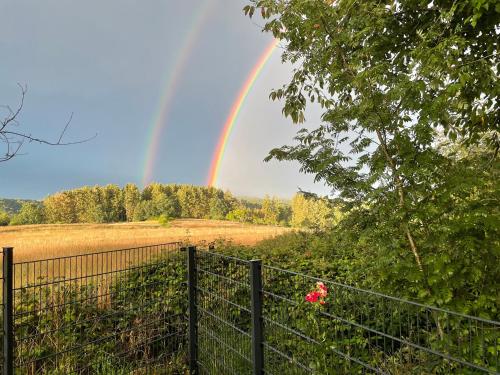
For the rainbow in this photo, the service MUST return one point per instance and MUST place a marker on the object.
(171, 82)
(235, 110)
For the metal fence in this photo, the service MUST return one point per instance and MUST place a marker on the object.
(247, 318)
(129, 312)
(112, 312)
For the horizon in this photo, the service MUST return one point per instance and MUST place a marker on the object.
(239, 196)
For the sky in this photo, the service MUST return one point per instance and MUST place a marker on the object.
(124, 67)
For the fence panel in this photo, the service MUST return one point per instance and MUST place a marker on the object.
(117, 312)
(125, 311)
(350, 330)
(224, 314)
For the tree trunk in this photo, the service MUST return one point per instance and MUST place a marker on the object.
(406, 229)
(401, 194)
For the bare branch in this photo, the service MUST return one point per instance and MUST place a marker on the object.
(30, 138)
(13, 114)
(14, 140)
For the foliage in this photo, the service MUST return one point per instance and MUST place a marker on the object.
(313, 212)
(105, 327)
(241, 214)
(131, 198)
(106, 204)
(312, 322)
(4, 218)
(30, 213)
(164, 220)
(408, 141)
(97, 204)
(12, 206)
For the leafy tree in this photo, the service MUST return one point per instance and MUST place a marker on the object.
(144, 210)
(165, 201)
(313, 212)
(392, 79)
(61, 208)
(241, 214)
(166, 205)
(113, 206)
(271, 210)
(131, 196)
(104, 204)
(88, 204)
(219, 206)
(4, 218)
(187, 201)
(30, 213)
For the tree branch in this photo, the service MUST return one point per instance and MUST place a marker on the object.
(14, 140)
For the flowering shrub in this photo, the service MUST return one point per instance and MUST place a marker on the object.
(318, 295)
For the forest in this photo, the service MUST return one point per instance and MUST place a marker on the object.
(163, 202)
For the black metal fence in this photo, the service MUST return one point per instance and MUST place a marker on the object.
(129, 312)
(249, 318)
(112, 312)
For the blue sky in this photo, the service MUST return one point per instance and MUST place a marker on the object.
(105, 61)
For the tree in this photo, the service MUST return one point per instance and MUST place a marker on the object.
(388, 77)
(13, 139)
(391, 77)
(144, 210)
(240, 213)
(60, 208)
(132, 196)
(187, 201)
(165, 202)
(271, 209)
(112, 202)
(30, 213)
(313, 212)
(219, 203)
(4, 218)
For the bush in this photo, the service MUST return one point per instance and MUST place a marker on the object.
(139, 320)
(4, 218)
(164, 220)
(30, 213)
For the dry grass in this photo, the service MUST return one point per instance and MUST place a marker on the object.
(33, 242)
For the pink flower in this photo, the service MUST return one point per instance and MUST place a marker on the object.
(312, 296)
(319, 294)
(322, 289)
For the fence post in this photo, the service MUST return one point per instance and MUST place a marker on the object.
(193, 334)
(8, 324)
(257, 322)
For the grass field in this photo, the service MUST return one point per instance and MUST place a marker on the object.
(33, 242)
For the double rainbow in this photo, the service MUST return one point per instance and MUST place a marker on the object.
(171, 83)
(234, 112)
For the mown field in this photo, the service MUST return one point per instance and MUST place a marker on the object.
(32, 242)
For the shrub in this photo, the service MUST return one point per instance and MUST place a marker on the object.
(30, 213)
(4, 218)
(164, 220)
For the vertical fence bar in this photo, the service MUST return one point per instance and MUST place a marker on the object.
(193, 334)
(257, 323)
(8, 336)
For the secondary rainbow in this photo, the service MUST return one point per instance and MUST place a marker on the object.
(171, 82)
(235, 110)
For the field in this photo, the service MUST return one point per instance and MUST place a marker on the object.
(33, 242)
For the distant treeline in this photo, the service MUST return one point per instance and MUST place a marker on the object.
(110, 204)
(12, 206)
